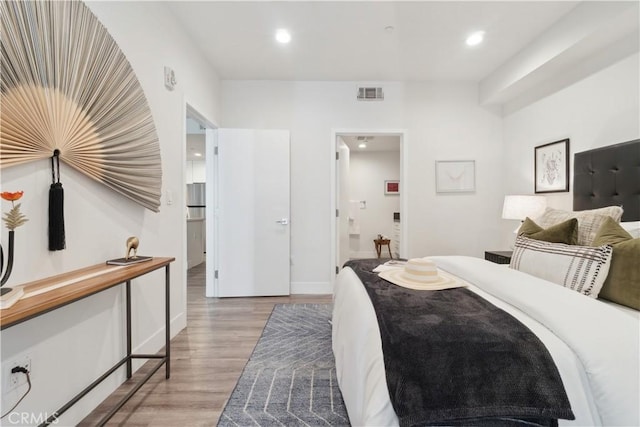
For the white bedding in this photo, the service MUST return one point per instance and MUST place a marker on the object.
(595, 346)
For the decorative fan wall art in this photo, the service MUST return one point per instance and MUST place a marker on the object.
(66, 85)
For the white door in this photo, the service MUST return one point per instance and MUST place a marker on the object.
(253, 215)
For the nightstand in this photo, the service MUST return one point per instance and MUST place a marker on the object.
(499, 257)
(380, 243)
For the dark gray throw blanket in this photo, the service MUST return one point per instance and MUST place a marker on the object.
(453, 358)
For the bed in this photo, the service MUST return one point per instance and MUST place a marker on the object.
(595, 344)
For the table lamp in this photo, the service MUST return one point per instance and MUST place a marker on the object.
(521, 206)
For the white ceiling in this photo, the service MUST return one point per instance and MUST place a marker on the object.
(531, 48)
(344, 40)
(374, 143)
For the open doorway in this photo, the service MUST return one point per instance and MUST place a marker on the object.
(200, 196)
(196, 200)
(369, 197)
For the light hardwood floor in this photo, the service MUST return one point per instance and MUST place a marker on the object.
(207, 358)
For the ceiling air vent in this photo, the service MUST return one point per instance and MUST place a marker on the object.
(370, 94)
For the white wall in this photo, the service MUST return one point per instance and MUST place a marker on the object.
(600, 110)
(368, 172)
(195, 171)
(443, 121)
(72, 346)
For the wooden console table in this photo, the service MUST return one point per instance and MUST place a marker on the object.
(49, 294)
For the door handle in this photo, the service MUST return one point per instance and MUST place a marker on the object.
(283, 221)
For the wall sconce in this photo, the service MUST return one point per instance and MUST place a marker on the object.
(170, 81)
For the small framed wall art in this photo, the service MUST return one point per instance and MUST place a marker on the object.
(455, 176)
(551, 166)
(392, 187)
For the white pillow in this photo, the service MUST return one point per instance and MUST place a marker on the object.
(589, 221)
(632, 227)
(580, 268)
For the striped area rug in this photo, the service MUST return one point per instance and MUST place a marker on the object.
(290, 378)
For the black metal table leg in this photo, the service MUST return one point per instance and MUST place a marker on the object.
(167, 321)
(128, 297)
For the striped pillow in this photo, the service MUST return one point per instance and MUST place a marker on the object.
(580, 268)
(589, 221)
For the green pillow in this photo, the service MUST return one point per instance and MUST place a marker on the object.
(566, 232)
(623, 282)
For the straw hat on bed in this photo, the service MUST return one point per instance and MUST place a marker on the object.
(421, 274)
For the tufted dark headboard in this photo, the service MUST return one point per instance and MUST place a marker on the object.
(608, 176)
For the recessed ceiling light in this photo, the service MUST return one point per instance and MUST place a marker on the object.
(197, 154)
(362, 145)
(475, 38)
(283, 36)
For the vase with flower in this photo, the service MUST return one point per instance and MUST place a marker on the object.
(12, 219)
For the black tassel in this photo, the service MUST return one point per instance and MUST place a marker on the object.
(56, 208)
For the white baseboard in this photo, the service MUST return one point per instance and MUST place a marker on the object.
(155, 342)
(311, 288)
(178, 323)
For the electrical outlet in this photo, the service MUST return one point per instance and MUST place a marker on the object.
(15, 380)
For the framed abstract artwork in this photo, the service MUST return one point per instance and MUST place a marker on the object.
(455, 176)
(551, 166)
(392, 187)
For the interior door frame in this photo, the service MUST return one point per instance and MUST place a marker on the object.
(404, 173)
(211, 213)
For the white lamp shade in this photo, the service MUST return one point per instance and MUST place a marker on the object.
(520, 206)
